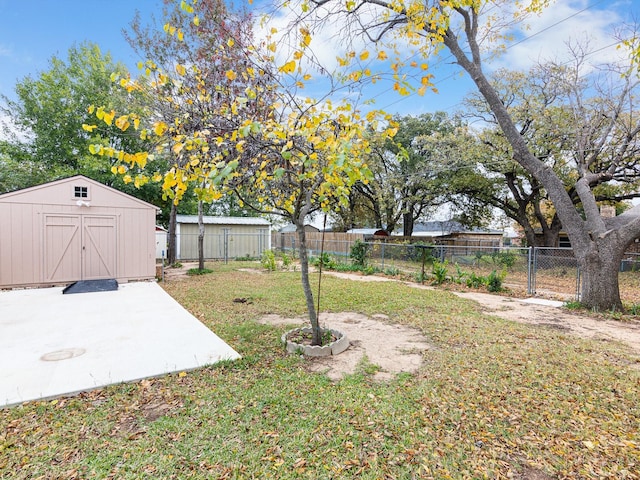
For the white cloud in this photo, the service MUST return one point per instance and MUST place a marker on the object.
(562, 23)
(5, 51)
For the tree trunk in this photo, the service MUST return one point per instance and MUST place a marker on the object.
(171, 241)
(551, 236)
(597, 257)
(599, 275)
(200, 237)
(407, 221)
(306, 285)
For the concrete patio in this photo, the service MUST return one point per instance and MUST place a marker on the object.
(53, 344)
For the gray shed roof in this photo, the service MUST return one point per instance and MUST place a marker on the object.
(209, 220)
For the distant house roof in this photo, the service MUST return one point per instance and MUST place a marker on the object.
(290, 227)
(210, 220)
(369, 231)
(439, 229)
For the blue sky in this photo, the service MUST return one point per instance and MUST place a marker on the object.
(32, 31)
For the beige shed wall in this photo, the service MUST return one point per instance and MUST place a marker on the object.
(25, 239)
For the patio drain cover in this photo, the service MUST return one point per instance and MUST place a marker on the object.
(85, 286)
(65, 354)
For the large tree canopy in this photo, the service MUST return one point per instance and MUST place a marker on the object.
(559, 112)
(411, 176)
(470, 33)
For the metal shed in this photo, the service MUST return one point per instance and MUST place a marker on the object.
(74, 229)
(224, 237)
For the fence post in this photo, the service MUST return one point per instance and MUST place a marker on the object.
(578, 283)
(382, 254)
(530, 287)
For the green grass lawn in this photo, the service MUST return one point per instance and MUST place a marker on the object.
(495, 399)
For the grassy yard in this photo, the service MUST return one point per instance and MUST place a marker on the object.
(494, 400)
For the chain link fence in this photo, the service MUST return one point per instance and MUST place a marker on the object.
(541, 271)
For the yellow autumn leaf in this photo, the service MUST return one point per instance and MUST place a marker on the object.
(231, 75)
(180, 69)
(108, 117)
(382, 55)
(422, 90)
(180, 37)
(288, 67)
(121, 169)
(230, 43)
(196, 21)
(159, 128)
(114, 169)
(89, 128)
(136, 123)
(126, 178)
(364, 55)
(123, 122)
(141, 159)
(307, 77)
(177, 148)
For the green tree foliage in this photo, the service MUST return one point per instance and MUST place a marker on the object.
(48, 141)
(411, 176)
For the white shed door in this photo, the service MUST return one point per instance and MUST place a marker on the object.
(79, 247)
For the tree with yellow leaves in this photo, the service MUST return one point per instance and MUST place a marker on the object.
(280, 152)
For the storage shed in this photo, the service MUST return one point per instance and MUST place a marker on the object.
(224, 237)
(74, 229)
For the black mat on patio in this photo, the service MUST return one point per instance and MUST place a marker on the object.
(85, 286)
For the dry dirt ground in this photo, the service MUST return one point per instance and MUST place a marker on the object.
(390, 348)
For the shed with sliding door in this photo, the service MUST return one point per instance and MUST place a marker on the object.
(74, 229)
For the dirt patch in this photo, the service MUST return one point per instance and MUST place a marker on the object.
(544, 313)
(548, 314)
(377, 346)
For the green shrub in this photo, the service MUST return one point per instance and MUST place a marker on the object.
(420, 277)
(439, 271)
(475, 281)
(459, 275)
(494, 281)
(391, 271)
(358, 253)
(268, 260)
(286, 260)
(506, 259)
(324, 261)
